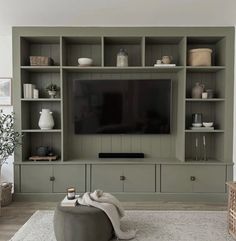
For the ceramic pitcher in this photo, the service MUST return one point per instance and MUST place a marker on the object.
(197, 90)
(46, 121)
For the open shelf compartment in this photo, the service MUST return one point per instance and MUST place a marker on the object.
(133, 46)
(81, 47)
(31, 114)
(211, 112)
(41, 80)
(217, 44)
(211, 80)
(40, 46)
(32, 141)
(214, 146)
(156, 47)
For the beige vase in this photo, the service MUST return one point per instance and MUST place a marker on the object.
(197, 90)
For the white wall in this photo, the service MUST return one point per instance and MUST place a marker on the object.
(6, 71)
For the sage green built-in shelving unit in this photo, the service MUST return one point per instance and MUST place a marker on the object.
(168, 158)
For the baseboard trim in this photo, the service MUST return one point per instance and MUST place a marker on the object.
(138, 197)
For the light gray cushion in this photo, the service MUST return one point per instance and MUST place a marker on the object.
(81, 223)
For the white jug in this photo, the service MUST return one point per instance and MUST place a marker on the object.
(46, 121)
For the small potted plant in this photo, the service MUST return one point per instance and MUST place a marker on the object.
(52, 90)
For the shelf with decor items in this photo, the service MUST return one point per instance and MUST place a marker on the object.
(204, 146)
(32, 141)
(215, 44)
(75, 47)
(157, 47)
(41, 99)
(41, 69)
(130, 69)
(131, 45)
(144, 46)
(40, 46)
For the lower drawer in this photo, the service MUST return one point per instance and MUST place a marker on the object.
(193, 178)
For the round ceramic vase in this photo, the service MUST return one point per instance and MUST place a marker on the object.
(46, 121)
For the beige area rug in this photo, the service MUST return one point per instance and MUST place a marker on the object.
(152, 226)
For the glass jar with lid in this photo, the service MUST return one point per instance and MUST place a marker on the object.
(122, 58)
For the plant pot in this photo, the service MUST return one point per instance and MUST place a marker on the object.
(52, 93)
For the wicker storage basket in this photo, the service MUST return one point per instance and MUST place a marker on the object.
(199, 57)
(6, 194)
(232, 209)
(40, 61)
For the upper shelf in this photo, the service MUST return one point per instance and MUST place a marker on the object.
(45, 69)
(210, 69)
(124, 69)
(143, 51)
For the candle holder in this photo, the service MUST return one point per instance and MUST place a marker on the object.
(71, 193)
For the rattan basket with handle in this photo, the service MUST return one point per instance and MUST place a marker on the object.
(232, 208)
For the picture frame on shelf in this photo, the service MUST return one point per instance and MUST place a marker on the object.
(5, 91)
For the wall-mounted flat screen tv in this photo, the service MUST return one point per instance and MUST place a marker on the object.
(107, 106)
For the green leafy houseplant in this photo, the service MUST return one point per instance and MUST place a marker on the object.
(52, 90)
(9, 138)
(52, 87)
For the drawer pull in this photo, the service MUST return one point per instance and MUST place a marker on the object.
(52, 179)
(122, 178)
(192, 178)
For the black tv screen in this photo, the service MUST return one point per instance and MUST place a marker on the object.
(122, 106)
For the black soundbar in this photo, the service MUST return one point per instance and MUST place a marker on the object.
(120, 155)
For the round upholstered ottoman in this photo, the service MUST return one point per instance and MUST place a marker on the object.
(81, 223)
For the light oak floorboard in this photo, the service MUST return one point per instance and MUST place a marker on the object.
(16, 214)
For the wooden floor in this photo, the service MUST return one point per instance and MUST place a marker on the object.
(15, 215)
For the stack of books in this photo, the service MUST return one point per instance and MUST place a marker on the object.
(69, 203)
(28, 91)
(164, 65)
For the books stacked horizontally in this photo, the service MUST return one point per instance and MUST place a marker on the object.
(69, 203)
(164, 65)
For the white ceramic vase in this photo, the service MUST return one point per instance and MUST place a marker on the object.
(46, 121)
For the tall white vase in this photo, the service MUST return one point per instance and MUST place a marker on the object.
(46, 121)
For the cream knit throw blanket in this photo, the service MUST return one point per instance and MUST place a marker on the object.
(111, 206)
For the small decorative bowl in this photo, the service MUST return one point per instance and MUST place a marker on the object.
(207, 124)
(83, 62)
(197, 124)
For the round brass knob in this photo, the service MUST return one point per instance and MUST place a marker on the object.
(122, 178)
(192, 178)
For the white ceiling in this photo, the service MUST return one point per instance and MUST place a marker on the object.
(116, 13)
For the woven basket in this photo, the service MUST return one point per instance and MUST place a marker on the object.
(6, 194)
(199, 57)
(40, 61)
(232, 209)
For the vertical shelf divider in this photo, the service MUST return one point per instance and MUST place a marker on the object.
(102, 51)
(143, 51)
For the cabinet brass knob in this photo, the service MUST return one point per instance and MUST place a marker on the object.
(192, 178)
(52, 179)
(122, 178)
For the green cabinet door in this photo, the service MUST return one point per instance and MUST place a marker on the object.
(193, 178)
(107, 178)
(139, 178)
(69, 176)
(210, 179)
(36, 178)
(176, 178)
